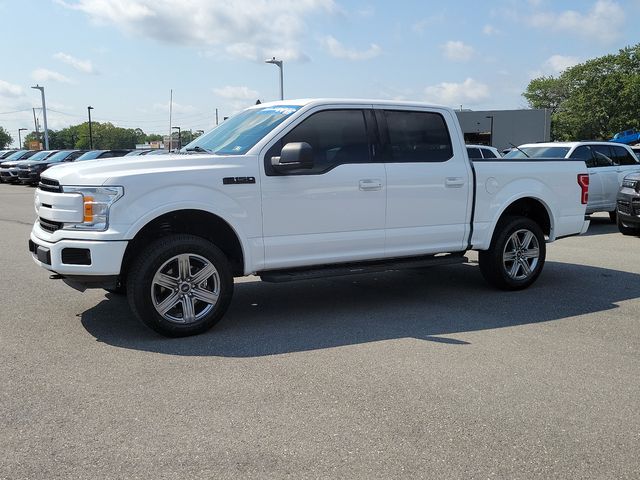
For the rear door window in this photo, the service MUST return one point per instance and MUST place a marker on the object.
(488, 153)
(417, 137)
(602, 154)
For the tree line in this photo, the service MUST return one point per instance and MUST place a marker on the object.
(592, 100)
(105, 136)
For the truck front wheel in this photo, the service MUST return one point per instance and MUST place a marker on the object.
(516, 255)
(180, 285)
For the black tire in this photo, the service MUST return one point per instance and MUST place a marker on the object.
(156, 281)
(509, 274)
(626, 230)
(613, 216)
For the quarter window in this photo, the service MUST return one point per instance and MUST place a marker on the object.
(336, 137)
(417, 137)
(488, 153)
(474, 153)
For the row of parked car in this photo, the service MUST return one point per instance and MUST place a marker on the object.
(25, 166)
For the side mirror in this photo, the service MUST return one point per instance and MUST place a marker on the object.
(294, 156)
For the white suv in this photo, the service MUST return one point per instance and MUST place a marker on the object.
(608, 164)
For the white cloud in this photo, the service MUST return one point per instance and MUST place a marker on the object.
(44, 75)
(236, 93)
(457, 51)
(84, 66)
(336, 49)
(603, 22)
(271, 27)
(490, 30)
(10, 90)
(559, 63)
(469, 92)
(177, 108)
(421, 25)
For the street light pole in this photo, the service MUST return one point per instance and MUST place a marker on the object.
(89, 108)
(179, 137)
(278, 63)
(20, 138)
(44, 114)
(491, 131)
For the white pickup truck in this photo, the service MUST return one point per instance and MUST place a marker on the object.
(295, 190)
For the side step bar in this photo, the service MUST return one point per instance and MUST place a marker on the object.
(338, 270)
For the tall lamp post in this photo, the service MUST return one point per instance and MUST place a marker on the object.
(491, 130)
(89, 108)
(278, 63)
(19, 137)
(44, 114)
(179, 137)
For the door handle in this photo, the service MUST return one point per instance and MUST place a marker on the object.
(370, 184)
(454, 182)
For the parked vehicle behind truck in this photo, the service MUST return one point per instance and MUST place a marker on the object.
(294, 190)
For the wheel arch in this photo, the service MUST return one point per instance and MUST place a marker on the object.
(191, 221)
(529, 207)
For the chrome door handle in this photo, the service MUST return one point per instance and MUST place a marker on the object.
(454, 182)
(370, 184)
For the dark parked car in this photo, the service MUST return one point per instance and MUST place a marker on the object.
(5, 153)
(8, 173)
(29, 171)
(628, 206)
(95, 154)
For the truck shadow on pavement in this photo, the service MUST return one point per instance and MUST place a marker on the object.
(601, 225)
(439, 304)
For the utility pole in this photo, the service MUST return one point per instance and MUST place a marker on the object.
(216, 117)
(20, 138)
(170, 121)
(44, 114)
(35, 124)
(89, 108)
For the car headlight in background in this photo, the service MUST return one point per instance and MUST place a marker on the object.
(96, 202)
(634, 184)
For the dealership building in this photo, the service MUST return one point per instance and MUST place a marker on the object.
(502, 128)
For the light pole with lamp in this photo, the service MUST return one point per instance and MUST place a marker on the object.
(179, 137)
(89, 108)
(278, 63)
(44, 114)
(20, 138)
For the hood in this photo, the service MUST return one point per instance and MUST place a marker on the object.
(117, 170)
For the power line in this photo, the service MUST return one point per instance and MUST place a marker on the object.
(15, 111)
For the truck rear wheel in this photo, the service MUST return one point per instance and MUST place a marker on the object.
(180, 285)
(516, 255)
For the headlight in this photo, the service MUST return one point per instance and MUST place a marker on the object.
(96, 202)
(633, 184)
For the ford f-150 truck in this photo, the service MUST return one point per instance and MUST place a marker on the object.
(295, 190)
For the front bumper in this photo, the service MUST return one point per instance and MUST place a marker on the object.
(628, 207)
(72, 258)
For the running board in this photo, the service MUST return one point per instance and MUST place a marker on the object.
(339, 270)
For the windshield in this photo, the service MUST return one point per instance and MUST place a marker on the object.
(538, 152)
(90, 155)
(36, 157)
(238, 134)
(59, 156)
(15, 156)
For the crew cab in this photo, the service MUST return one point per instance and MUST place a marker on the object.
(299, 189)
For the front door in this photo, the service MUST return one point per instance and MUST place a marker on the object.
(335, 211)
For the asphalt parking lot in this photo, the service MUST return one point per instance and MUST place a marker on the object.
(417, 374)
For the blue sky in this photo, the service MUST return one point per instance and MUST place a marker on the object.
(123, 56)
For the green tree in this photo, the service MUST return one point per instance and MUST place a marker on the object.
(592, 100)
(5, 138)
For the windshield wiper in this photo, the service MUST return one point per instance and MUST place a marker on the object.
(198, 148)
(519, 149)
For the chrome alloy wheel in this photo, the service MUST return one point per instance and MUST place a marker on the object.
(185, 288)
(521, 254)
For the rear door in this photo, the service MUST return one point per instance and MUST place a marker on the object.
(608, 173)
(428, 182)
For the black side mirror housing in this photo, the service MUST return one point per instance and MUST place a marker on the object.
(294, 156)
